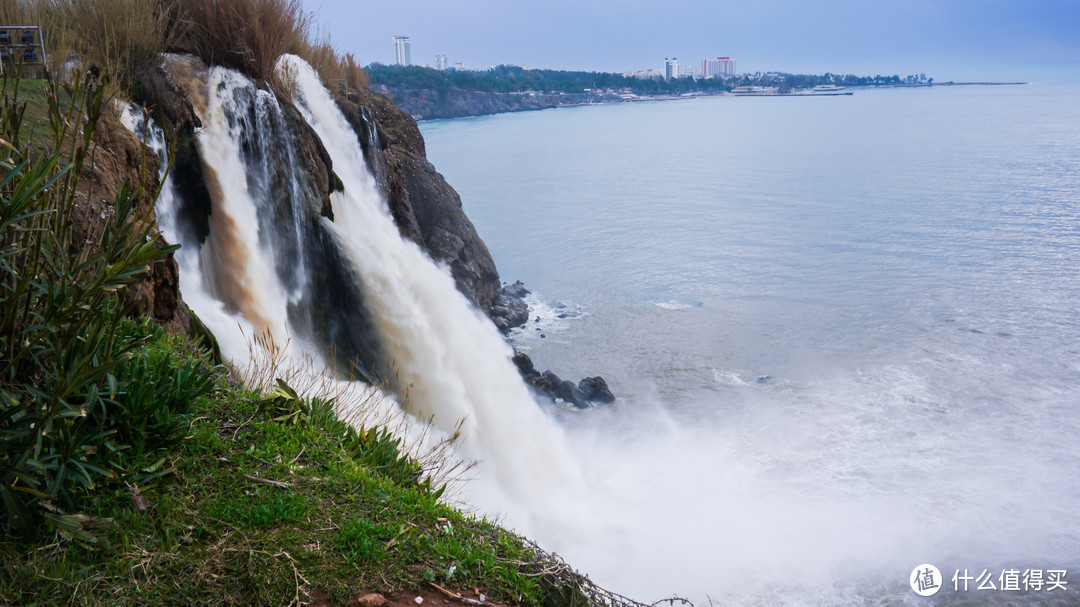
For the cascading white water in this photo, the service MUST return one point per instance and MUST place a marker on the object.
(231, 330)
(449, 359)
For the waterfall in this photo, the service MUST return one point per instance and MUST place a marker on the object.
(350, 289)
(447, 357)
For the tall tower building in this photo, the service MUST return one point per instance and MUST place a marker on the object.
(671, 68)
(402, 50)
(727, 66)
(723, 67)
(440, 62)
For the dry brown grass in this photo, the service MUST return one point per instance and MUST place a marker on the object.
(355, 76)
(121, 37)
(14, 12)
(248, 35)
(334, 69)
(116, 37)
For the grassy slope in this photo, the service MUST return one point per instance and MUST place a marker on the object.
(251, 510)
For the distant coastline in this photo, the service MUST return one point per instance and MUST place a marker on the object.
(431, 104)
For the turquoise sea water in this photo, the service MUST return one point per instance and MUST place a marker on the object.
(844, 330)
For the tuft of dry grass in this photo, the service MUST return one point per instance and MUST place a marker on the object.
(247, 35)
(334, 70)
(355, 76)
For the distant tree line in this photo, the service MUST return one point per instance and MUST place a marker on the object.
(800, 81)
(516, 79)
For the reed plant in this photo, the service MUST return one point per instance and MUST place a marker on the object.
(334, 69)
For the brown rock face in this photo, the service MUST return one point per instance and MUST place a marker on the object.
(117, 156)
(426, 209)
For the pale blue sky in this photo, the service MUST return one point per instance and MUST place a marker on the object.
(948, 39)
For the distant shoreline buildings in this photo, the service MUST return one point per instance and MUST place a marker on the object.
(723, 67)
(671, 68)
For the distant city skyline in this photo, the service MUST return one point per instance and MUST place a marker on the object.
(951, 39)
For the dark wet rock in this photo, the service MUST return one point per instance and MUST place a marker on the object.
(525, 367)
(426, 209)
(565, 390)
(508, 312)
(588, 390)
(596, 390)
(517, 290)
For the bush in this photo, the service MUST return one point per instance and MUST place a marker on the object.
(80, 403)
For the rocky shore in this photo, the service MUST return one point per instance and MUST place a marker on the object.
(510, 311)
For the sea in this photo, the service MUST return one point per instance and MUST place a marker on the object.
(844, 334)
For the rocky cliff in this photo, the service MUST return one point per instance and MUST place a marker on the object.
(424, 206)
(427, 104)
(117, 156)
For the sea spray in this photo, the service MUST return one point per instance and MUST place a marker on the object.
(883, 372)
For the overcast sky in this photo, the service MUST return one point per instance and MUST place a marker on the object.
(947, 39)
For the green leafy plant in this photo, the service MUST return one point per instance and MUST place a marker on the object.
(78, 403)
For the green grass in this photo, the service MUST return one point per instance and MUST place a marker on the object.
(250, 509)
(35, 123)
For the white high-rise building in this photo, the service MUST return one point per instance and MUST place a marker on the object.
(402, 50)
(723, 67)
(671, 68)
(440, 62)
(727, 66)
